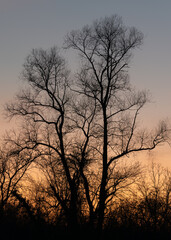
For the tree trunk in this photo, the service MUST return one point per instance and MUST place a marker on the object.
(72, 215)
(1, 211)
(102, 197)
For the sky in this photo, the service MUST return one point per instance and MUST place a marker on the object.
(28, 24)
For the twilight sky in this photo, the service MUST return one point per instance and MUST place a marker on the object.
(27, 24)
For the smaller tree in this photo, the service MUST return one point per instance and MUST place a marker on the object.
(155, 198)
(13, 166)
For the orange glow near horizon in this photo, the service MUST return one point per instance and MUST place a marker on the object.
(161, 154)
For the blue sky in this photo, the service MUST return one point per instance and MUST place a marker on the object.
(27, 24)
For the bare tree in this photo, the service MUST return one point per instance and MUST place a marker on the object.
(154, 189)
(106, 49)
(83, 128)
(45, 105)
(13, 166)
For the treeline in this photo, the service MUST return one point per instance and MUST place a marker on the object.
(75, 130)
(143, 213)
(141, 206)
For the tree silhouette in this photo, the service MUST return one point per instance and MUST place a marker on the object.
(13, 166)
(155, 191)
(106, 49)
(45, 104)
(82, 127)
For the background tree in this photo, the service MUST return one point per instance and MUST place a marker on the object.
(155, 198)
(13, 167)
